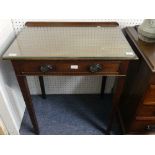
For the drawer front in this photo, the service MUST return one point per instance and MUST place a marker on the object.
(146, 111)
(152, 79)
(143, 127)
(149, 98)
(48, 67)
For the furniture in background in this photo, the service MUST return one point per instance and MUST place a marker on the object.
(71, 48)
(138, 102)
(146, 31)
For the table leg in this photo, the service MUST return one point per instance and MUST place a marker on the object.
(104, 78)
(116, 99)
(28, 101)
(41, 80)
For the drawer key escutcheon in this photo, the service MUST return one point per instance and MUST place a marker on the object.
(95, 68)
(150, 128)
(46, 68)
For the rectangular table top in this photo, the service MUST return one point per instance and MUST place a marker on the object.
(69, 43)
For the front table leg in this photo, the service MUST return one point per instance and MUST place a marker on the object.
(115, 101)
(28, 101)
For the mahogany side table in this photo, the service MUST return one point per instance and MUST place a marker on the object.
(70, 48)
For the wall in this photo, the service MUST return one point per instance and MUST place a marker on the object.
(11, 102)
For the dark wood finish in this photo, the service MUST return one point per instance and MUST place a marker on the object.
(137, 106)
(28, 101)
(104, 78)
(146, 50)
(146, 111)
(42, 86)
(117, 92)
(142, 127)
(63, 67)
(149, 98)
(116, 98)
(71, 24)
(120, 120)
(116, 68)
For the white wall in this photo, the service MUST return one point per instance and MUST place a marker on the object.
(11, 102)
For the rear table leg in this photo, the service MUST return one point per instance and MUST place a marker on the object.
(41, 80)
(104, 78)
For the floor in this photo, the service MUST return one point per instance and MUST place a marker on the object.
(70, 115)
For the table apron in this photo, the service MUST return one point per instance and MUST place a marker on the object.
(69, 67)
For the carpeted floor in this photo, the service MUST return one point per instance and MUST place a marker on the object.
(70, 115)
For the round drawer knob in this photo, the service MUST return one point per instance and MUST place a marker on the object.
(95, 68)
(46, 68)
